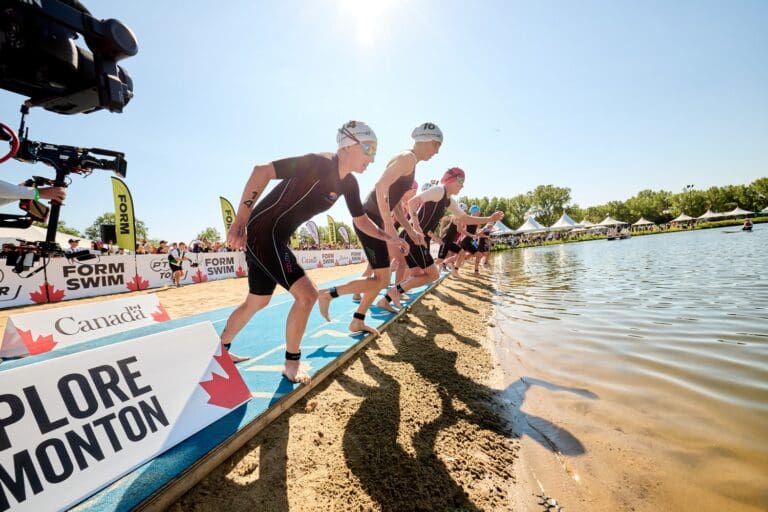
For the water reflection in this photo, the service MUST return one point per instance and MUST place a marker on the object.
(673, 322)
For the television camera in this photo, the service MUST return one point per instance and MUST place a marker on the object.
(40, 59)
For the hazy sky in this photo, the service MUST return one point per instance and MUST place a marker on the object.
(605, 97)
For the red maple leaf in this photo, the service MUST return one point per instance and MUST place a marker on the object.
(240, 272)
(199, 277)
(337, 263)
(41, 345)
(319, 264)
(52, 295)
(138, 283)
(229, 391)
(160, 314)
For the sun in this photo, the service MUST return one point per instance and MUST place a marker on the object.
(369, 17)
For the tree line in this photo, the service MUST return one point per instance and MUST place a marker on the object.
(547, 203)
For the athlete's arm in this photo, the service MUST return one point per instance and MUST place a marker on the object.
(260, 176)
(403, 220)
(367, 226)
(399, 166)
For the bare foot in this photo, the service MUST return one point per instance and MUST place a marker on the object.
(295, 373)
(384, 304)
(395, 297)
(237, 359)
(356, 297)
(455, 274)
(324, 302)
(357, 325)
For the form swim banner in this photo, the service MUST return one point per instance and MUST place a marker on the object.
(331, 230)
(41, 331)
(69, 426)
(227, 214)
(125, 222)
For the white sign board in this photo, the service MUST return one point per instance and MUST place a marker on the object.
(42, 331)
(70, 426)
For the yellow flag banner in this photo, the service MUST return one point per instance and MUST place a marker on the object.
(331, 230)
(125, 221)
(227, 213)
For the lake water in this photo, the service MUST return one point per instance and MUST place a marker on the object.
(644, 364)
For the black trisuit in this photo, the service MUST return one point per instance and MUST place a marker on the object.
(310, 185)
(467, 243)
(429, 217)
(375, 249)
(484, 243)
(449, 241)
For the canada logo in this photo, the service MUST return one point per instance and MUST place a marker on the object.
(332, 196)
(229, 391)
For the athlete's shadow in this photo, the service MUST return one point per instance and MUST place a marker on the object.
(395, 479)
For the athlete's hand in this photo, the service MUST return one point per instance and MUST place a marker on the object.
(236, 234)
(400, 245)
(418, 238)
(57, 194)
(498, 215)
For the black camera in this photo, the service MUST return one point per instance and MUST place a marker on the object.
(39, 57)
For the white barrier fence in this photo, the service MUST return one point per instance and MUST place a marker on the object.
(63, 279)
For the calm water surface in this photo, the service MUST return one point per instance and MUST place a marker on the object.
(670, 332)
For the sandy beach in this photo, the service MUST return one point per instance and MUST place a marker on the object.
(411, 423)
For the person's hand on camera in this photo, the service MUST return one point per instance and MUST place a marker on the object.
(57, 194)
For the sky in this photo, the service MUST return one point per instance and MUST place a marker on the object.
(606, 98)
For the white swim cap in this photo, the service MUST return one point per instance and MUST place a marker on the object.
(354, 132)
(427, 132)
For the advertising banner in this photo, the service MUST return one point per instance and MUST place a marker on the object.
(38, 332)
(18, 291)
(356, 256)
(70, 279)
(327, 259)
(308, 259)
(331, 229)
(125, 222)
(74, 424)
(313, 232)
(344, 234)
(343, 257)
(227, 214)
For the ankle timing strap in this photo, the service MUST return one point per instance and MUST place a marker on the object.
(333, 292)
(389, 299)
(226, 346)
(399, 289)
(359, 316)
(292, 356)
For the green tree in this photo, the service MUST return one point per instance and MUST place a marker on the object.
(514, 215)
(94, 230)
(61, 228)
(549, 201)
(760, 190)
(210, 234)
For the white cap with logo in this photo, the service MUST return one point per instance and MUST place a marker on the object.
(427, 132)
(354, 132)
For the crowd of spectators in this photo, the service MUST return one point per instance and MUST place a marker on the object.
(326, 247)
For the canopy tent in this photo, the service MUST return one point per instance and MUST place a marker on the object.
(34, 234)
(529, 226)
(608, 221)
(764, 210)
(737, 212)
(501, 229)
(563, 223)
(643, 222)
(586, 224)
(709, 214)
(683, 218)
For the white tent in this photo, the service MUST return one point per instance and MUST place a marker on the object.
(709, 214)
(501, 229)
(529, 226)
(608, 221)
(764, 210)
(563, 223)
(683, 218)
(34, 234)
(586, 224)
(643, 222)
(737, 212)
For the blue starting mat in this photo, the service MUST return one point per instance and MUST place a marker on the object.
(325, 347)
